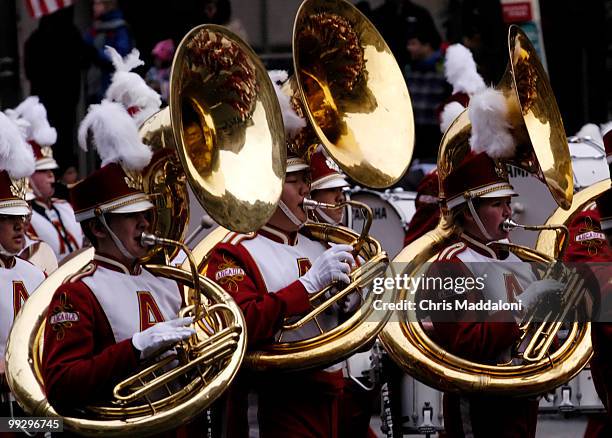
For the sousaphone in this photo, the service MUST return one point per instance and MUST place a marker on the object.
(542, 150)
(223, 116)
(353, 94)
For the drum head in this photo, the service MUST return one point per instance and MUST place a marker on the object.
(392, 212)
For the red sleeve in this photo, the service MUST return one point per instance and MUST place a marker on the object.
(470, 334)
(234, 270)
(81, 361)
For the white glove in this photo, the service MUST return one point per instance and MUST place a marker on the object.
(162, 334)
(538, 289)
(334, 264)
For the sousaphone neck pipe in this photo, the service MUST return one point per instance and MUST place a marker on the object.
(510, 225)
(311, 204)
(148, 239)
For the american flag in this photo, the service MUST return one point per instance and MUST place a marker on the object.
(38, 8)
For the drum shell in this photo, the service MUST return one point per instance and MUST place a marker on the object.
(392, 212)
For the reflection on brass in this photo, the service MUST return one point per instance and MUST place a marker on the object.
(225, 123)
(353, 92)
(215, 355)
(542, 149)
(535, 120)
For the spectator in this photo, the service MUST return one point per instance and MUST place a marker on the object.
(109, 29)
(427, 85)
(53, 57)
(394, 19)
(158, 76)
(220, 12)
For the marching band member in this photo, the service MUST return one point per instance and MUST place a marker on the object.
(590, 234)
(113, 314)
(327, 184)
(52, 219)
(427, 213)
(18, 278)
(271, 274)
(477, 193)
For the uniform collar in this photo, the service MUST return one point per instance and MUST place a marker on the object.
(478, 246)
(278, 235)
(7, 262)
(109, 262)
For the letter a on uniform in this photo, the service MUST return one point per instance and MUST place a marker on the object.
(149, 311)
(20, 295)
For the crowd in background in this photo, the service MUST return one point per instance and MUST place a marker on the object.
(417, 41)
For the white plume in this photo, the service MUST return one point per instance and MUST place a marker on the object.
(461, 71)
(115, 136)
(292, 121)
(591, 130)
(605, 128)
(129, 89)
(35, 113)
(488, 114)
(22, 124)
(16, 156)
(450, 112)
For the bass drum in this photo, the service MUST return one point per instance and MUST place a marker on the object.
(392, 211)
(578, 396)
(421, 408)
(588, 162)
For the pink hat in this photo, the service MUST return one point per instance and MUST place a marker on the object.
(164, 50)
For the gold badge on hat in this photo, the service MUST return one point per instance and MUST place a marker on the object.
(134, 180)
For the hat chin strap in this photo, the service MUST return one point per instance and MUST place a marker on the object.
(327, 218)
(478, 221)
(292, 217)
(6, 253)
(122, 249)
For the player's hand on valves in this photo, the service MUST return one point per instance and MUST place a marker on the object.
(162, 335)
(539, 289)
(333, 265)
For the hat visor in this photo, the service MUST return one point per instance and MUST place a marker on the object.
(136, 207)
(330, 184)
(500, 194)
(297, 167)
(46, 164)
(15, 211)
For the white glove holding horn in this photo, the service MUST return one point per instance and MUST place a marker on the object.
(162, 335)
(537, 290)
(333, 265)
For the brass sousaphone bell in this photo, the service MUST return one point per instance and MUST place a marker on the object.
(352, 91)
(541, 149)
(223, 116)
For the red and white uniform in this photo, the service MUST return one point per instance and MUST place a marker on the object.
(57, 226)
(18, 279)
(91, 320)
(261, 273)
(588, 244)
(485, 338)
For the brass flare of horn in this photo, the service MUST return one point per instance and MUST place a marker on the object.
(343, 73)
(542, 150)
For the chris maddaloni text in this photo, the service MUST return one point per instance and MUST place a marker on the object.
(454, 305)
